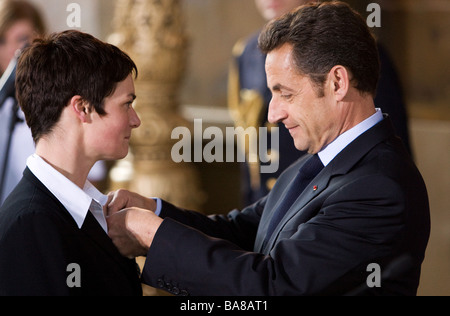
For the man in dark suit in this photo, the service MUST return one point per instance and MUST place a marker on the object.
(76, 93)
(349, 218)
(247, 73)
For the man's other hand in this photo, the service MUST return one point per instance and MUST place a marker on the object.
(120, 199)
(132, 230)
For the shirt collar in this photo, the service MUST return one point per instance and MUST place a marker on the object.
(75, 200)
(330, 151)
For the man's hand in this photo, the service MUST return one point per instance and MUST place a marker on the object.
(132, 230)
(121, 199)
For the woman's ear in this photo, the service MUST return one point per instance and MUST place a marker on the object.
(81, 108)
(340, 80)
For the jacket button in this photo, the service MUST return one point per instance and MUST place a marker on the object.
(160, 283)
(169, 286)
(175, 290)
(184, 293)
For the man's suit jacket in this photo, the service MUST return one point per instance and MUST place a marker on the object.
(39, 240)
(369, 205)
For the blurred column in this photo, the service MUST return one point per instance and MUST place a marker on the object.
(152, 32)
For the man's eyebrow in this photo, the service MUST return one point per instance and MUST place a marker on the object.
(133, 96)
(279, 86)
(276, 87)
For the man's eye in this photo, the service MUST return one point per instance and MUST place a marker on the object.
(286, 96)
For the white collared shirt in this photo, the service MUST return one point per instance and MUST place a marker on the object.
(335, 147)
(77, 202)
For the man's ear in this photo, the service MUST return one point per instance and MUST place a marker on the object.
(81, 108)
(339, 81)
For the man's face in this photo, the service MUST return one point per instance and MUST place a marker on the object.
(110, 134)
(311, 120)
(272, 9)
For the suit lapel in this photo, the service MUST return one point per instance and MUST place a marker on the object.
(61, 209)
(318, 185)
(340, 165)
(98, 236)
(94, 231)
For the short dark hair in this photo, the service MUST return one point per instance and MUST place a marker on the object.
(54, 69)
(323, 36)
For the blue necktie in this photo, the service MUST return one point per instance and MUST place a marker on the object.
(306, 174)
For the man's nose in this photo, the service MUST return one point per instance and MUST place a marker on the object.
(276, 112)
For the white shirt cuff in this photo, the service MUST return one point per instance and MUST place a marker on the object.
(158, 205)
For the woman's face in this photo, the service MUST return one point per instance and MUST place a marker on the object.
(109, 135)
